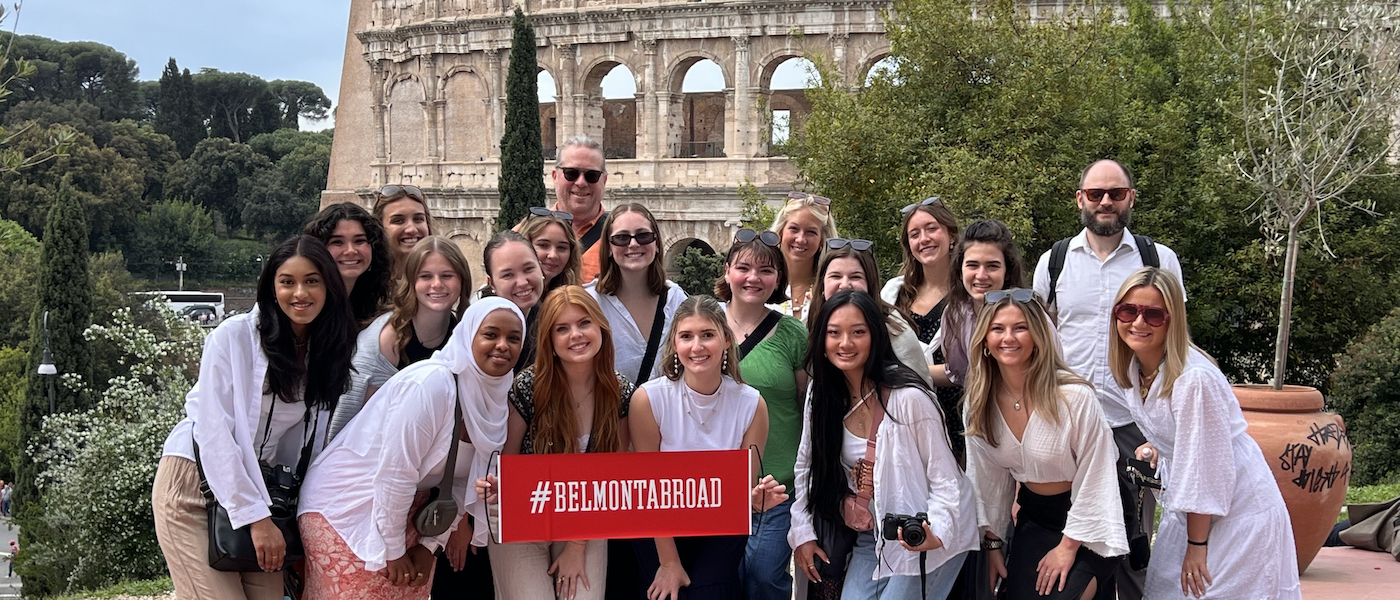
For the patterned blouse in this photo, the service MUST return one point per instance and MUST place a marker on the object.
(522, 400)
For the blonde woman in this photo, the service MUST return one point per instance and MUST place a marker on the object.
(1225, 532)
(803, 226)
(1032, 421)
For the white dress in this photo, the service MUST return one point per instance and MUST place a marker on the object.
(1210, 465)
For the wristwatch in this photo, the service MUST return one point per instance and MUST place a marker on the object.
(991, 544)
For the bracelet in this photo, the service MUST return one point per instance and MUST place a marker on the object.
(1195, 543)
(991, 544)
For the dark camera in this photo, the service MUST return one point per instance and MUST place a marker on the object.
(912, 528)
(282, 487)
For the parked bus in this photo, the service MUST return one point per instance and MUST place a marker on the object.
(193, 303)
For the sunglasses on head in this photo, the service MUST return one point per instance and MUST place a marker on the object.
(929, 201)
(392, 191)
(1114, 194)
(623, 240)
(858, 245)
(1017, 294)
(810, 199)
(540, 211)
(747, 235)
(1154, 316)
(590, 175)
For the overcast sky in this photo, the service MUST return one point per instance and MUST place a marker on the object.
(273, 39)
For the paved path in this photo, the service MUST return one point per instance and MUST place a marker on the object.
(9, 586)
(1351, 574)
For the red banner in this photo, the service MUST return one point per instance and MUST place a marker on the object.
(551, 497)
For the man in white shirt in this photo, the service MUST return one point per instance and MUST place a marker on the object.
(1095, 263)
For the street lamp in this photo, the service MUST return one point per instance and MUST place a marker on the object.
(46, 366)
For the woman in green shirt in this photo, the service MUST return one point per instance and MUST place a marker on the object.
(772, 346)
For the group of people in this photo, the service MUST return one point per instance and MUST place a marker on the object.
(943, 435)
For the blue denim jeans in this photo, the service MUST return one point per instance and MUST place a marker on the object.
(859, 585)
(767, 556)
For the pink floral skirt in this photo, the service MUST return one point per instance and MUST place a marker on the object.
(333, 572)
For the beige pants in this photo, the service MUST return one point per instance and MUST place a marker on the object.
(521, 570)
(182, 526)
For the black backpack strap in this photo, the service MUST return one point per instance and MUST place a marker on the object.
(594, 233)
(1057, 266)
(658, 324)
(760, 332)
(1148, 250)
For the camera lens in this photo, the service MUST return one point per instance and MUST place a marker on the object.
(913, 531)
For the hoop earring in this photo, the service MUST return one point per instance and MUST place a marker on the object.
(724, 363)
(985, 352)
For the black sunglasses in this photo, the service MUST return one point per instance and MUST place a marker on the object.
(747, 235)
(540, 211)
(623, 240)
(1017, 294)
(858, 245)
(392, 191)
(929, 201)
(1115, 194)
(589, 175)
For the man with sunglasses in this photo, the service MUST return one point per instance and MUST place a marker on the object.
(1078, 278)
(579, 177)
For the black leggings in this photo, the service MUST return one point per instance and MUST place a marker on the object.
(711, 562)
(1039, 527)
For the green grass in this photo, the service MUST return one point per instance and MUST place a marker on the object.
(151, 587)
(1372, 493)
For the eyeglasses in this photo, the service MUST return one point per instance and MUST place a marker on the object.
(540, 211)
(590, 175)
(858, 245)
(1114, 194)
(810, 199)
(747, 235)
(623, 240)
(1017, 294)
(929, 201)
(1154, 316)
(392, 191)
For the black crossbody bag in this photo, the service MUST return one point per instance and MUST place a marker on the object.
(232, 549)
(440, 510)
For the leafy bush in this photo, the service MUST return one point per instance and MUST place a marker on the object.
(1366, 393)
(696, 271)
(101, 462)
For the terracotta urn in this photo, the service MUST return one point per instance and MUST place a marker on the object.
(1309, 453)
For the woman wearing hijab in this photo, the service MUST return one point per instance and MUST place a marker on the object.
(360, 496)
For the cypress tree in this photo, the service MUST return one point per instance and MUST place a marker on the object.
(178, 113)
(65, 291)
(522, 152)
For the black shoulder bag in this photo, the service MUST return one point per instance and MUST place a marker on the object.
(658, 324)
(440, 510)
(232, 549)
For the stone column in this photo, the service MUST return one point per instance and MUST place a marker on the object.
(739, 142)
(432, 105)
(498, 95)
(838, 53)
(648, 112)
(565, 106)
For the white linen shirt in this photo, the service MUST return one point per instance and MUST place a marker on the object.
(629, 341)
(1084, 295)
(223, 410)
(914, 472)
(1080, 449)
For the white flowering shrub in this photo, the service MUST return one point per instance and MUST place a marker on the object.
(101, 462)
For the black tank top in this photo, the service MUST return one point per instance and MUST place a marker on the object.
(416, 351)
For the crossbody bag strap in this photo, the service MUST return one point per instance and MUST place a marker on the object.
(658, 323)
(877, 414)
(595, 232)
(308, 443)
(760, 332)
(449, 473)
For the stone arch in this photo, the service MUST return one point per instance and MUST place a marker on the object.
(612, 121)
(698, 121)
(771, 61)
(867, 62)
(680, 65)
(786, 109)
(471, 249)
(405, 119)
(465, 139)
(677, 246)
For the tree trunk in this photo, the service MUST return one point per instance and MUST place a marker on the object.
(1285, 305)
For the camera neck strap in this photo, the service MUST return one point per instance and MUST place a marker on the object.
(303, 462)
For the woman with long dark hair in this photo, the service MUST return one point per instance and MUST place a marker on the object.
(357, 245)
(1225, 530)
(256, 404)
(1033, 422)
(986, 259)
(858, 385)
(357, 517)
(403, 211)
(556, 245)
(570, 400)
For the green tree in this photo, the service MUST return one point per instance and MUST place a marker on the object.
(85, 71)
(696, 270)
(210, 177)
(12, 384)
(1366, 393)
(154, 153)
(755, 212)
(172, 229)
(271, 208)
(522, 152)
(19, 287)
(303, 158)
(65, 293)
(300, 100)
(178, 114)
(229, 99)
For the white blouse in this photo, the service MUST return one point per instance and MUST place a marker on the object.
(223, 411)
(692, 421)
(1079, 449)
(629, 341)
(914, 472)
